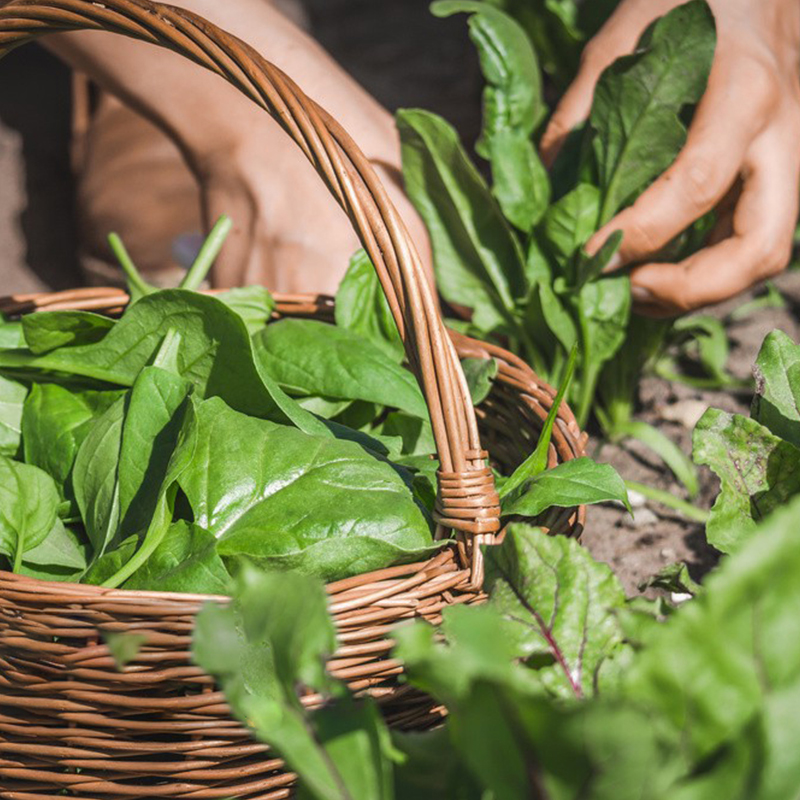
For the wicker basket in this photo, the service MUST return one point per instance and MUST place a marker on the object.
(70, 723)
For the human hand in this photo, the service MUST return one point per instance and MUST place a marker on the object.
(742, 156)
(289, 234)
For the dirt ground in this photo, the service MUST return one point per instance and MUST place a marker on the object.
(405, 57)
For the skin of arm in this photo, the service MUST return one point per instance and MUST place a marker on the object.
(742, 156)
(289, 233)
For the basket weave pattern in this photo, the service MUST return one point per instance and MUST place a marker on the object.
(69, 721)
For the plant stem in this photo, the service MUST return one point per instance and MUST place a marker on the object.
(208, 253)
(588, 386)
(666, 499)
(17, 558)
(534, 356)
(135, 280)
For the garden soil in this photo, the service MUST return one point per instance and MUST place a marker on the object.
(406, 58)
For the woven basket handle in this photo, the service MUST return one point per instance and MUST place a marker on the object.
(466, 502)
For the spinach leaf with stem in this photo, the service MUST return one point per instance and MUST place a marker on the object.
(361, 306)
(216, 355)
(477, 257)
(572, 483)
(138, 287)
(273, 638)
(28, 509)
(184, 560)
(603, 309)
(275, 496)
(12, 404)
(536, 462)
(637, 101)
(512, 110)
(121, 464)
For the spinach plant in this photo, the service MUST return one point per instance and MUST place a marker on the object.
(756, 458)
(189, 439)
(557, 688)
(510, 249)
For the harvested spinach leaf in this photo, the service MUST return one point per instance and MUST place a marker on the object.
(49, 330)
(576, 482)
(12, 400)
(306, 357)
(480, 374)
(270, 492)
(216, 355)
(185, 561)
(61, 555)
(11, 334)
(361, 306)
(55, 421)
(254, 304)
(122, 463)
(28, 508)
(416, 433)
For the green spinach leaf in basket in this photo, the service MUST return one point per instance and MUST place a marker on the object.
(121, 464)
(55, 421)
(307, 357)
(216, 355)
(277, 496)
(12, 400)
(186, 560)
(254, 304)
(11, 334)
(361, 306)
(28, 509)
(49, 330)
(61, 556)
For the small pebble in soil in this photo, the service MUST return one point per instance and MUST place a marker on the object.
(685, 412)
(641, 517)
(635, 499)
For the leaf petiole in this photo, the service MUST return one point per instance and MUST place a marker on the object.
(669, 500)
(137, 285)
(208, 253)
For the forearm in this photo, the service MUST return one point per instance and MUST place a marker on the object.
(202, 114)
